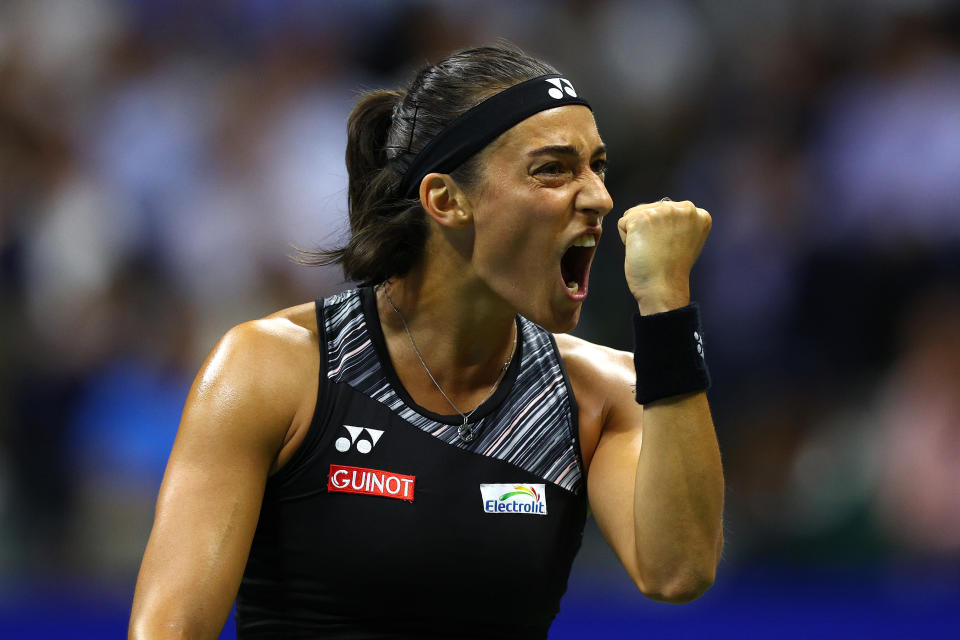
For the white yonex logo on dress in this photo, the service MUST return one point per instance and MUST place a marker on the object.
(560, 86)
(699, 339)
(365, 444)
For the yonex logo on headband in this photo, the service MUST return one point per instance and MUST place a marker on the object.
(560, 86)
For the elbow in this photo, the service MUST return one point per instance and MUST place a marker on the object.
(680, 587)
(684, 581)
(153, 628)
(679, 591)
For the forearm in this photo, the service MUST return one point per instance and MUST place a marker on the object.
(171, 601)
(678, 498)
(678, 481)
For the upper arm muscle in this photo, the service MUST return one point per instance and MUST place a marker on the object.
(611, 432)
(239, 409)
(611, 482)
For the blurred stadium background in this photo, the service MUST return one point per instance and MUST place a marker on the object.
(159, 158)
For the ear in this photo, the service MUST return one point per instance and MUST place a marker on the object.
(444, 201)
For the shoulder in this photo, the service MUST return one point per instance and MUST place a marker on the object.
(594, 364)
(280, 340)
(267, 365)
(293, 327)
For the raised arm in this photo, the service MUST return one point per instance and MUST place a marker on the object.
(655, 479)
(246, 401)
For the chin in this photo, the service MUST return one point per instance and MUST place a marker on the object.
(559, 321)
(554, 313)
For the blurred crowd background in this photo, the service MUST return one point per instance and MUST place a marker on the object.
(161, 161)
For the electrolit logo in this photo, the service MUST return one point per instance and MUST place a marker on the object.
(514, 498)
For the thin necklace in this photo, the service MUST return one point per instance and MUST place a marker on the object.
(465, 430)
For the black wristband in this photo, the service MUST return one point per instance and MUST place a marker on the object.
(668, 354)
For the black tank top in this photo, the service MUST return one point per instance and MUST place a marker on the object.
(386, 524)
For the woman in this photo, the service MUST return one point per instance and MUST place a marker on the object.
(413, 458)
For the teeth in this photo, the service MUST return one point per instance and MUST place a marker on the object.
(585, 241)
(573, 287)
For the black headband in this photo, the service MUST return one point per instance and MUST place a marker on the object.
(478, 127)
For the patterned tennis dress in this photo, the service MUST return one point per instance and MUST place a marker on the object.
(386, 524)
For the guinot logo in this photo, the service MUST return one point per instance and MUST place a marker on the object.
(371, 482)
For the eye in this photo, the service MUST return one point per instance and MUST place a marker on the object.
(600, 167)
(550, 169)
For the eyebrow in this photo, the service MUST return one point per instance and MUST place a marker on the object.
(565, 150)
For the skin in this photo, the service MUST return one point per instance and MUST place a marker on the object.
(654, 476)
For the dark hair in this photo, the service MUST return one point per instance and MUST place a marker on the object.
(386, 130)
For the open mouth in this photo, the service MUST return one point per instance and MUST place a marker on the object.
(575, 266)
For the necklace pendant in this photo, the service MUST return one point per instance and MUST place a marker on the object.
(465, 431)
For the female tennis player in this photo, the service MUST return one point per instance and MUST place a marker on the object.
(413, 458)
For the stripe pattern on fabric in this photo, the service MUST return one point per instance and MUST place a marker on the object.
(532, 428)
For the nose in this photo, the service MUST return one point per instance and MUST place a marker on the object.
(593, 198)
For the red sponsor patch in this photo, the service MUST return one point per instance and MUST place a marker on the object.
(370, 482)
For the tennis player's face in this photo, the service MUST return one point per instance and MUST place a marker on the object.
(537, 214)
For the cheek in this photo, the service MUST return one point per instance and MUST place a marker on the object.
(516, 246)
(513, 231)
(502, 249)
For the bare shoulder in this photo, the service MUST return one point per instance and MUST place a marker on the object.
(282, 343)
(593, 364)
(302, 316)
(286, 331)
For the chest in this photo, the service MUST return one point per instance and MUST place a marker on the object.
(374, 500)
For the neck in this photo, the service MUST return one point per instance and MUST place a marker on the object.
(464, 332)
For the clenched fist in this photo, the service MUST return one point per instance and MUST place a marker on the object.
(663, 240)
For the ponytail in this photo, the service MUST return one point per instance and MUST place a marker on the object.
(387, 232)
(367, 129)
(385, 131)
